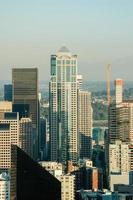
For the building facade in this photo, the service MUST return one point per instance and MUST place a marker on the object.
(63, 107)
(26, 136)
(85, 123)
(8, 92)
(25, 98)
(67, 187)
(119, 158)
(9, 134)
(31, 181)
(4, 186)
(5, 106)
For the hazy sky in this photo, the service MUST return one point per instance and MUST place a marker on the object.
(99, 31)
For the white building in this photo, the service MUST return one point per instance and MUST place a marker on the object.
(118, 90)
(4, 186)
(63, 107)
(119, 158)
(67, 187)
(85, 123)
(79, 80)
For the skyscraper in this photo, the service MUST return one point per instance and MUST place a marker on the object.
(119, 158)
(85, 123)
(25, 97)
(63, 107)
(120, 116)
(67, 187)
(9, 134)
(118, 90)
(25, 136)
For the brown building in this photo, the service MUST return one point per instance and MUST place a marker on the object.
(25, 98)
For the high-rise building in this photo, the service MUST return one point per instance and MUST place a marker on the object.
(4, 186)
(8, 92)
(85, 123)
(120, 122)
(5, 106)
(79, 81)
(120, 116)
(44, 139)
(67, 187)
(25, 98)
(25, 136)
(31, 181)
(118, 91)
(119, 158)
(63, 107)
(113, 114)
(9, 134)
(131, 157)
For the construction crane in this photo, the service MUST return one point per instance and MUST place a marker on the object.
(108, 83)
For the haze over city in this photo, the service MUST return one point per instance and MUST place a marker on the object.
(99, 32)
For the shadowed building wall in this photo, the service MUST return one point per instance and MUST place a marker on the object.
(30, 181)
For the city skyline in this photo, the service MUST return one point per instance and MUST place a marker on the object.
(101, 35)
(66, 100)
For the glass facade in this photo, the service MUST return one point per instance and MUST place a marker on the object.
(63, 104)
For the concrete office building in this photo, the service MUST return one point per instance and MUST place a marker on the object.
(5, 106)
(119, 158)
(79, 81)
(85, 124)
(9, 134)
(115, 110)
(26, 136)
(121, 122)
(67, 187)
(63, 107)
(131, 157)
(120, 116)
(118, 91)
(4, 186)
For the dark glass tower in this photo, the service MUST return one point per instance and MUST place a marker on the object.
(8, 92)
(31, 181)
(25, 97)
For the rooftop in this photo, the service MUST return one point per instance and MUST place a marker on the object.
(63, 49)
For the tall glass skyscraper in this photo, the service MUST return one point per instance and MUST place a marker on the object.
(25, 98)
(63, 107)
